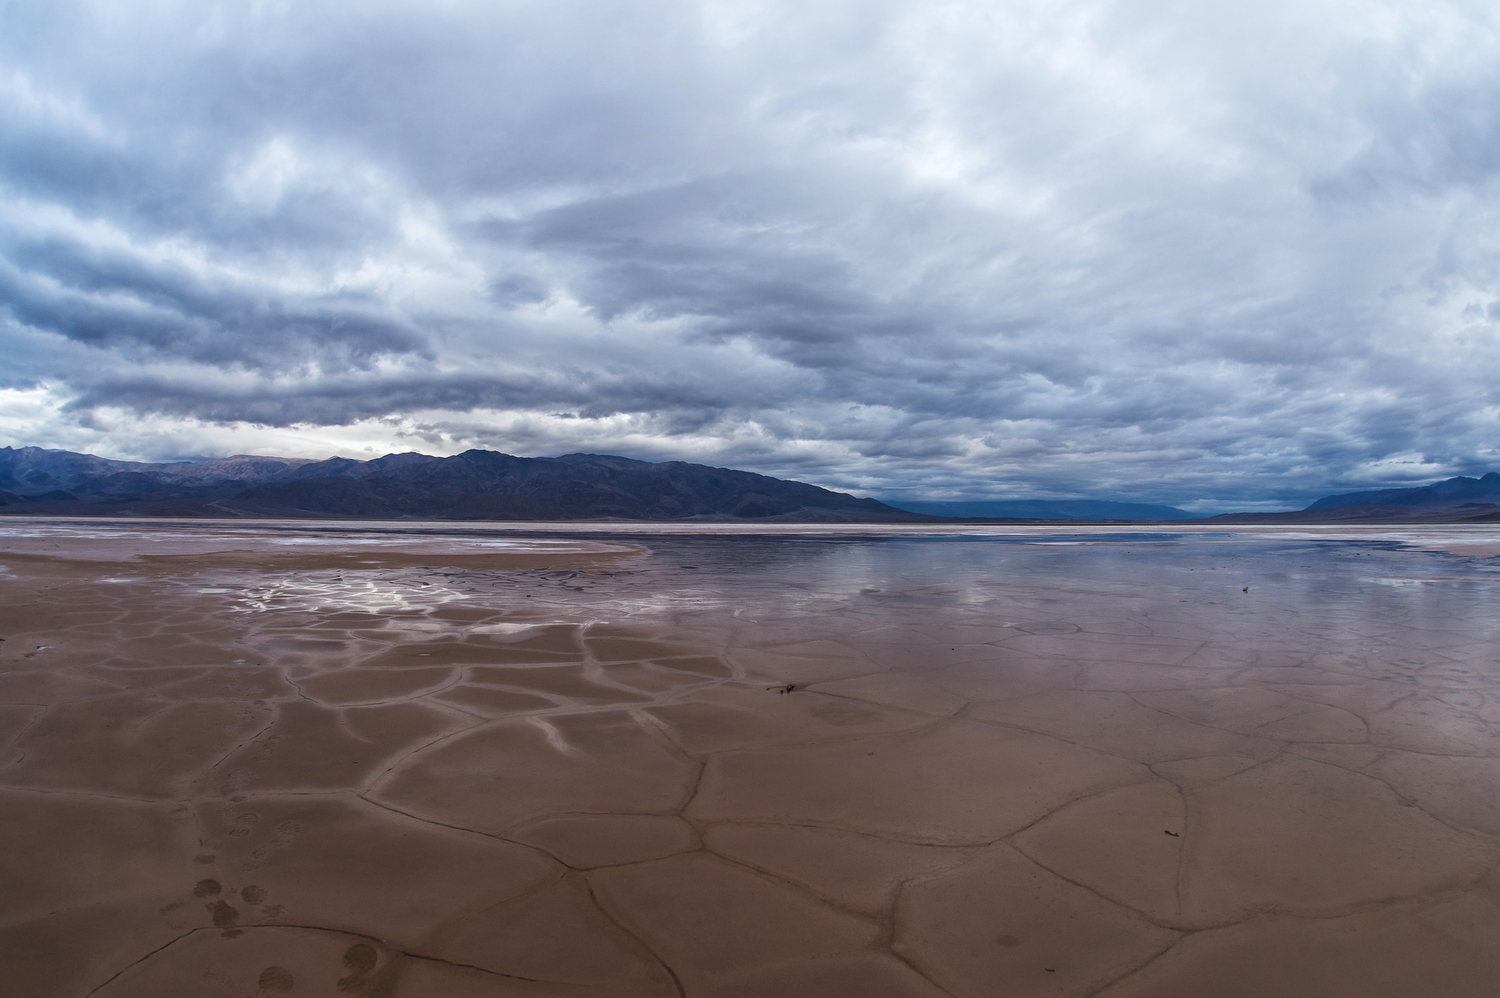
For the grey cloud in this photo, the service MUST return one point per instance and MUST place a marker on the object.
(113, 300)
(688, 402)
(1198, 253)
(517, 289)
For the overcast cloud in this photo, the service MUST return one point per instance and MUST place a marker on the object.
(1208, 254)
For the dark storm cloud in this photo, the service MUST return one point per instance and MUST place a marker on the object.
(111, 299)
(329, 399)
(969, 249)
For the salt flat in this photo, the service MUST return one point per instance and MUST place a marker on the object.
(261, 758)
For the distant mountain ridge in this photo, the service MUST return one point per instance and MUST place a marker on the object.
(474, 485)
(27, 468)
(1088, 510)
(488, 485)
(1456, 500)
(1455, 492)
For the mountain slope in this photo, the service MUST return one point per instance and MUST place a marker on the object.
(476, 484)
(32, 471)
(1457, 500)
(1453, 493)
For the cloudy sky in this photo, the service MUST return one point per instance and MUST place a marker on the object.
(1220, 255)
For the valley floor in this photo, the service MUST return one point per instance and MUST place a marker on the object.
(307, 758)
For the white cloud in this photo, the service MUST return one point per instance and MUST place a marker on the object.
(1187, 253)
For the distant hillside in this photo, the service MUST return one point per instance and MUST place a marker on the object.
(33, 470)
(474, 485)
(1477, 494)
(1049, 509)
(1456, 500)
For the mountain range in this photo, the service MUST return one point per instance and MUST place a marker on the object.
(487, 485)
(474, 485)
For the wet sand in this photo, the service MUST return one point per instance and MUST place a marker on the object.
(246, 759)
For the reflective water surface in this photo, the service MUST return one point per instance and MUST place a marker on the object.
(251, 758)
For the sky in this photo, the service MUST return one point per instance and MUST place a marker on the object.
(1215, 255)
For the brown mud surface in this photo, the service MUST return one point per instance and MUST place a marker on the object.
(255, 760)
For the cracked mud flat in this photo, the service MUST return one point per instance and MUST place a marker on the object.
(319, 759)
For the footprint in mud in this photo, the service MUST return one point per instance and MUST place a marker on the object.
(359, 960)
(276, 979)
(258, 896)
(207, 889)
(238, 779)
(246, 823)
(225, 917)
(279, 839)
